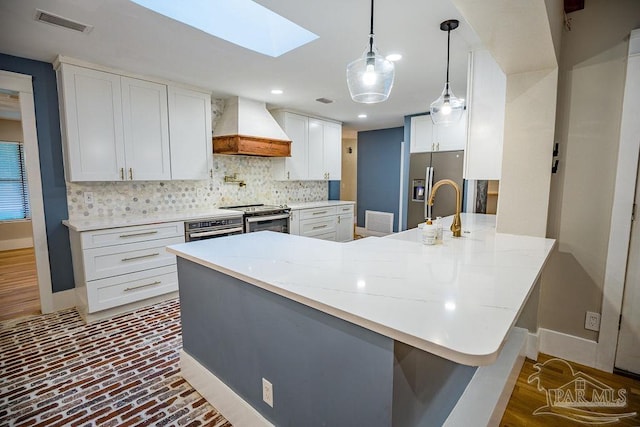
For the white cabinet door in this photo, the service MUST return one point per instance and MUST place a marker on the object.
(146, 130)
(91, 124)
(344, 229)
(316, 150)
(421, 134)
(297, 128)
(486, 108)
(452, 137)
(190, 134)
(333, 150)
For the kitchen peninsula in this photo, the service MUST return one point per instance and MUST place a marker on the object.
(379, 331)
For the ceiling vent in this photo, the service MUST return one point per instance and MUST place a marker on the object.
(59, 21)
(325, 100)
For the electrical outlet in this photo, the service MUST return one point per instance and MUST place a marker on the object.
(267, 392)
(592, 321)
(88, 197)
(199, 192)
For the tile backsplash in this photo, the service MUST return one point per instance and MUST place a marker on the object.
(117, 199)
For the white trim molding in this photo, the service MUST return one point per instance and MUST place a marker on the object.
(233, 407)
(568, 347)
(21, 83)
(623, 199)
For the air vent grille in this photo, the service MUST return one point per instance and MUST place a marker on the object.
(325, 100)
(59, 21)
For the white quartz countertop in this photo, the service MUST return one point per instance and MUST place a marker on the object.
(90, 224)
(320, 204)
(458, 299)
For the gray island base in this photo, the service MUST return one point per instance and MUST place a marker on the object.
(325, 371)
(374, 332)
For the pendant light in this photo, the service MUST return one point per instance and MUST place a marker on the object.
(447, 108)
(370, 77)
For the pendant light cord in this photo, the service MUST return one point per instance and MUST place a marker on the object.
(371, 32)
(448, 42)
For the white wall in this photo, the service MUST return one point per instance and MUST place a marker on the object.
(591, 86)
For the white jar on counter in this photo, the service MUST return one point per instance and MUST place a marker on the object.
(429, 233)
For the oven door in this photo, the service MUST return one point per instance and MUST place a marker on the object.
(202, 234)
(278, 223)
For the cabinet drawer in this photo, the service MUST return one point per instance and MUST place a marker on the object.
(141, 233)
(327, 236)
(116, 291)
(122, 259)
(312, 228)
(317, 212)
(345, 209)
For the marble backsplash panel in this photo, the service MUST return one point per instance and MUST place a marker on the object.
(117, 199)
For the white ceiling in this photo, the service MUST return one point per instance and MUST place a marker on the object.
(132, 38)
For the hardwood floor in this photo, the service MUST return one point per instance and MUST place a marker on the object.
(556, 378)
(19, 294)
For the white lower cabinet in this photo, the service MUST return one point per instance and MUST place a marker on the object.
(119, 266)
(334, 222)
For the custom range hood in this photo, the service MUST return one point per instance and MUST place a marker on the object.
(247, 128)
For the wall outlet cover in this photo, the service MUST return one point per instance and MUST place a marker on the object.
(592, 321)
(267, 392)
(88, 197)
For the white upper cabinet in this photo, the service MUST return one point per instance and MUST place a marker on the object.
(315, 148)
(118, 128)
(297, 129)
(486, 100)
(332, 154)
(427, 137)
(146, 130)
(190, 134)
(91, 113)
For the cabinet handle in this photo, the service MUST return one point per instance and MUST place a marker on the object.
(210, 173)
(121, 174)
(133, 288)
(145, 233)
(131, 174)
(141, 256)
(287, 175)
(317, 227)
(338, 220)
(319, 213)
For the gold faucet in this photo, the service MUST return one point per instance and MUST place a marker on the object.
(456, 225)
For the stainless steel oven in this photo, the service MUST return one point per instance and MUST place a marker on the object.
(264, 217)
(212, 228)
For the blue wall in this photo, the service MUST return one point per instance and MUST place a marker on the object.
(379, 155)
(334, 190)
(54, 189)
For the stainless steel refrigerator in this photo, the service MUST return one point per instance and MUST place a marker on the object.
(425, 169)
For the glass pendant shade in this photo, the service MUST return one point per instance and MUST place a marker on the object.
(447, 108)
(370, 77)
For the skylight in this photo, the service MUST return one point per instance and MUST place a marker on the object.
(242, 22)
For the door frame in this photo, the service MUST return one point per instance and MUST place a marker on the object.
(623, 199)
(22, 84)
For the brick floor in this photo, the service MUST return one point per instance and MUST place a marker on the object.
(57, 371)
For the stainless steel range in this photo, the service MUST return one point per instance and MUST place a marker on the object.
(264, 217)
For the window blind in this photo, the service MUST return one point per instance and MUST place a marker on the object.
(14, 192)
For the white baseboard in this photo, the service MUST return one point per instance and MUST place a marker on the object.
(64, 299)
(7, 245)
(568, 347)
(486, 397)
(219, 395)
(533, 346)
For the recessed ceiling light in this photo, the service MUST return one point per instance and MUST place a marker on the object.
(242, 22)
(362, 116)
(394, 57)
(277, 91)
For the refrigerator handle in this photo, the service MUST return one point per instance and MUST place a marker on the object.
(429, 185)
